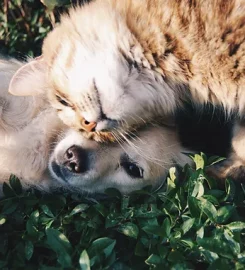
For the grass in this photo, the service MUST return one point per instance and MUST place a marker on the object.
(190, 224)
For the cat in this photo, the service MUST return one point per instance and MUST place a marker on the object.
(114, 65)
(44, 153)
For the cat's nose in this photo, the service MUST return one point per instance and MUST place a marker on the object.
(88, 126)
(76, 159)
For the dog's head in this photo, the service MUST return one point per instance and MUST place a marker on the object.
(86, 165)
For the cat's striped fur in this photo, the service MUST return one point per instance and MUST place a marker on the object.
(131, 59)
(116, 64)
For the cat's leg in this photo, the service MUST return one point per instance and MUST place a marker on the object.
(234, 166)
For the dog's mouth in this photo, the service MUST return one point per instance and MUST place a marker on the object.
(56, 170)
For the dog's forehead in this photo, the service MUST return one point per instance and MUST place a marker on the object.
(149, 141)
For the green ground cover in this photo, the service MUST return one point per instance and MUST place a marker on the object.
(189, 224)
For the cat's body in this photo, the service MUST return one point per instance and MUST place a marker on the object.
(114, 65)
(112, 61)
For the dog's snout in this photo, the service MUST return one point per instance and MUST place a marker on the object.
(76, 159)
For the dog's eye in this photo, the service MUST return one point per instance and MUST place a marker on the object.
(62, 101)
(132, 169)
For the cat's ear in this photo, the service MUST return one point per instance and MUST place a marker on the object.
(30, 79)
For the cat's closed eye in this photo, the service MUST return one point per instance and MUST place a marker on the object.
(62, 101)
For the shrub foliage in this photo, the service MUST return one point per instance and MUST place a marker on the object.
(186, 225)
(189, 224)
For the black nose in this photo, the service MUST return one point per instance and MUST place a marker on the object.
(76, 159)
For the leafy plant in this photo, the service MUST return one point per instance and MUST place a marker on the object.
(188, 224)
(24, 24)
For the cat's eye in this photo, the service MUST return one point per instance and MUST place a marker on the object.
(132, 169)
(62, 101)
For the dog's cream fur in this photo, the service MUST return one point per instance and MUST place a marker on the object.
(31, 133)
(28, 126)
(153, 151)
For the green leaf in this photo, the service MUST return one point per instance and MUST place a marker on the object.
(103, 245)
(34, 217)
(211, 199)
(220, 263)
(129, 229)
(199, 161)
(101, 209)
(224, 213)
(155, 230)
(84, 261)
(31, 228)
(208, 208)
(239, 266)
(193, 204)
(153, 260)
(232, 242)
(172, 174)
(187, 225)
(175, 256)
(47, 211)
(51, 4)
(2, 219)
(214, 159)
(61, 245)
(8, 191)
(113, 219)
(200, 232)
(148, 211)
(198, 190)
(236, 226)
(188, 243)
(15, 184)
(10, 206)
(29, 248)
(166, 225)
(221, 244)
(209, 255)
(79, 209)
(230, 190)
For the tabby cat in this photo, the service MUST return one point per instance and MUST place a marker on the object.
(113, 65)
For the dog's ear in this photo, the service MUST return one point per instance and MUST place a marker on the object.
(30, 79)
(168, 120)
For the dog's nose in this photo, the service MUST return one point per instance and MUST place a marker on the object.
(88, 126)
(76, 159)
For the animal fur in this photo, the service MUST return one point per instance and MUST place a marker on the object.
(32, 136)
(169, 44)
(28, 126)
(119, 64)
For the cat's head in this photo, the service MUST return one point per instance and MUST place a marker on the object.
(98, 76)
